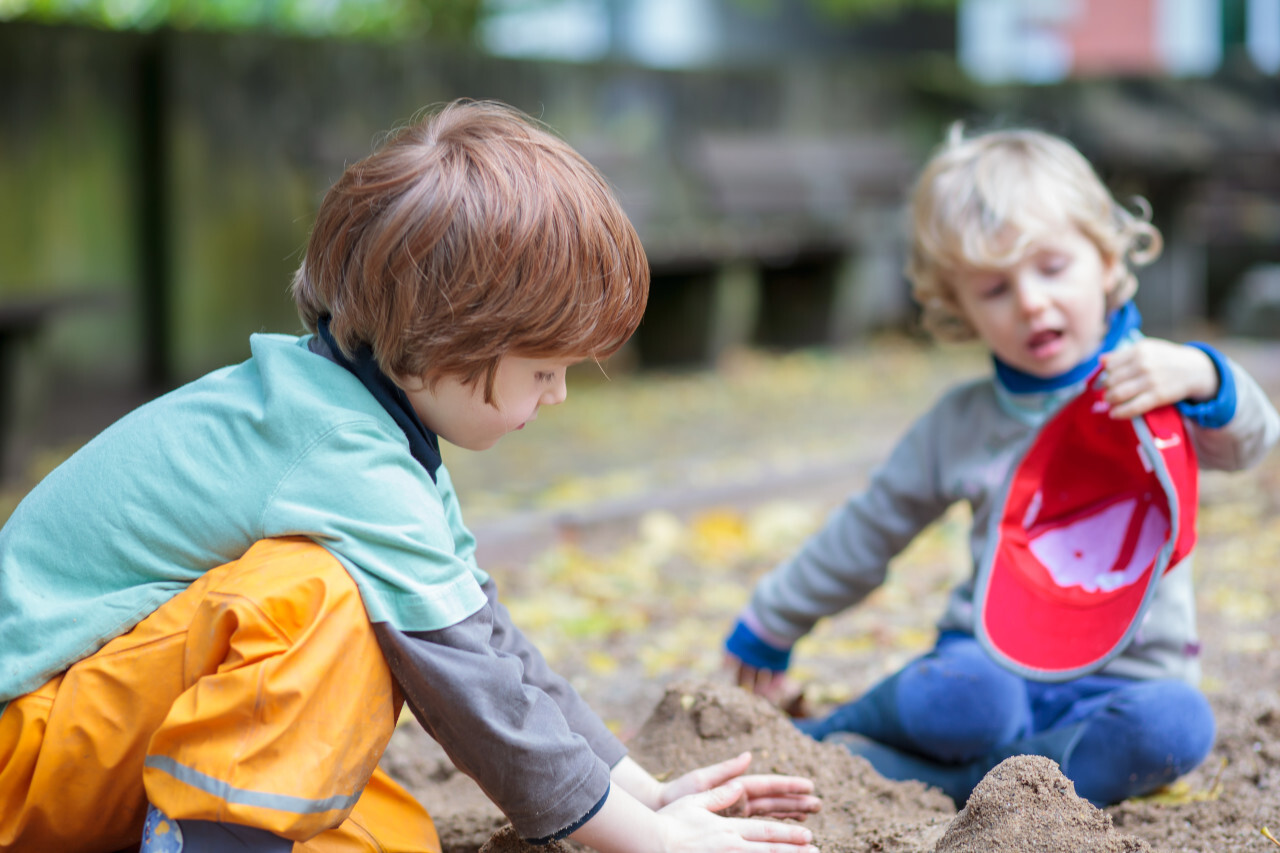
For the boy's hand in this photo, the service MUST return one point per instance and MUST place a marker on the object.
(1154, 373)
(688, 819)
(772, 795)
(690, 824)
(772, 684)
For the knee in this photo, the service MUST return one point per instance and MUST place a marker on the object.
(1144, 738)
(295, 584)
(1168, 723)
(959, 706)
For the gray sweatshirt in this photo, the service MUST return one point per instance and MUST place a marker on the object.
(964, 449)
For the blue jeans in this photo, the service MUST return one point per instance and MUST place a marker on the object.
(951, 715)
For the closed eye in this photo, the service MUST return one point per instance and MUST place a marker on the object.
(995, 289)
(1052, 265)
(545, 377)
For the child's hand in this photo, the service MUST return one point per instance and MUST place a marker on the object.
(1154, 373)
(770, 683)
(772, 795)
(690, 824)
(642, 815)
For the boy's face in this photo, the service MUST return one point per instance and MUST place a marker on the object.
(458, 413)
(1046, 312)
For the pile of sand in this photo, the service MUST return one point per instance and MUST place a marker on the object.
(1024, 805)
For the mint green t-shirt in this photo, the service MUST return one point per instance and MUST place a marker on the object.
(286, 443)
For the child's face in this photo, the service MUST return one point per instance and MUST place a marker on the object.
(1046, 312)
(458, 413)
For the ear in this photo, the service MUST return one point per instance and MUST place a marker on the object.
(408, 383)
(1113, 274)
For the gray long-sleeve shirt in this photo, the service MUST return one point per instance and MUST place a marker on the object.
(964, 449)
(504, 718)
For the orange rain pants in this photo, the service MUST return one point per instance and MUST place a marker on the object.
(257, 696)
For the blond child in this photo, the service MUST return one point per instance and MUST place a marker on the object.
(1075, 636)
(211, 614)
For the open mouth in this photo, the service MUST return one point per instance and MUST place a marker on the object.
(1044, 344)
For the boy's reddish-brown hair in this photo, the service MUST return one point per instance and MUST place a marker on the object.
(471, 234)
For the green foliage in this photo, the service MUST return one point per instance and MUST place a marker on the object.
(455, 20)
(440, 19)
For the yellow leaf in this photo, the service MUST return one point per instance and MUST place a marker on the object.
(601, 663)
(718, 537)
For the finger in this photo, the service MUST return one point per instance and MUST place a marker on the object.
(797, 806)
(773, 784)
(770, 684)
(1115, 380)
(719, 798)
(745, 677)
(1134, 407)
(736, 668)
(1127, 390)
(778, 846)
(706, 778)
(1121, 393)
(771, 831)
(1126, 368)
(762, 681)
(718, 774)
(781, 815)
(1115, 363)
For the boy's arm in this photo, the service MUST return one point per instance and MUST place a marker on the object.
(1247, 435)
(848, 558)
(511, 737)
(507, 638)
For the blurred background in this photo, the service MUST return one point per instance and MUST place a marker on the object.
(161, 160)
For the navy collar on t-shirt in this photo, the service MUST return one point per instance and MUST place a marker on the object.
(1123, 321)
(423, 443)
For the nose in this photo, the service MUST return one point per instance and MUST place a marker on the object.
(556, 394)
(1031, 295)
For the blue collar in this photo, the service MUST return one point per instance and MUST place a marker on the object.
(1124, 320)
(423, 443)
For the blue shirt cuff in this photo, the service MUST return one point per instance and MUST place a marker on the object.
(1218, 412)
(753, 651)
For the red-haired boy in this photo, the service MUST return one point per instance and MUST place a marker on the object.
(211, 614)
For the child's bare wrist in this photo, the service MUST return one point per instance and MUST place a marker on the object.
(1204, 381)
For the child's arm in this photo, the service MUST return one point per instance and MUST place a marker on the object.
(849, 557)
(512, 737)
(770, 794)
(507, 638)
(757, 660)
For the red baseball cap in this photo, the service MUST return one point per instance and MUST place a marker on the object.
(1093, 515)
